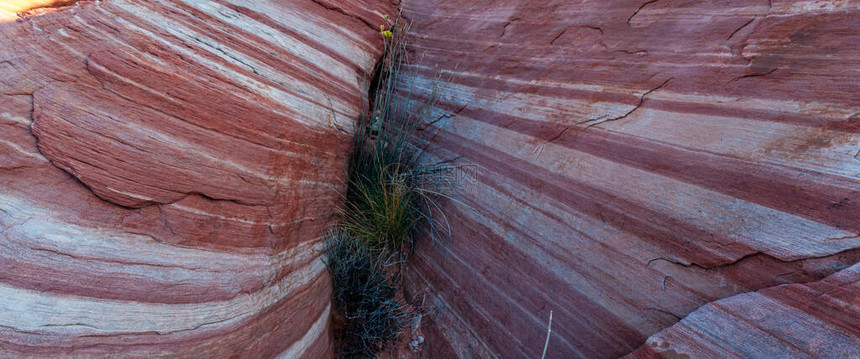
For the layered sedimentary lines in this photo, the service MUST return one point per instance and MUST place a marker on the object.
(168, 170)
(812, 320)
(634, 161)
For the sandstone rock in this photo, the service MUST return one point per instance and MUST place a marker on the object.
(168, 169)
(628, 162)
(811, 320)
(683, 171)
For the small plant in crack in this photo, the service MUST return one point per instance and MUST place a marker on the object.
(391, 199)
(392, 191)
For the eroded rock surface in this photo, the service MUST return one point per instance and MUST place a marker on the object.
(811, 320)
(628, 162)
(167, 170)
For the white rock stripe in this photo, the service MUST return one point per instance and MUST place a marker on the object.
(317, 329)
(32, 311)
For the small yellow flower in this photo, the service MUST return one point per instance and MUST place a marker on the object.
(387, 34)
(381, 27)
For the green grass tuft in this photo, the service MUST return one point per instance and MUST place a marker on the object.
(392, 191)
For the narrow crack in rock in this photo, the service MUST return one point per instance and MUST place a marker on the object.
(741, 28)
(641, 102)
(639, 9)
(505, 28)
(123, 262)
(753, 75)
(677, 317)
(757, 254)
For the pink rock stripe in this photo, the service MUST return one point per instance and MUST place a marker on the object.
(811, 320)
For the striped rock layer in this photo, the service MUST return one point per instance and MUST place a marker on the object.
(168, 168)
(810, 320)
(625, 163)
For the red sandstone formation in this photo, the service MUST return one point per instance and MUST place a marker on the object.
(167, 170)
(668, 177)
(816, 319)
(635, 161)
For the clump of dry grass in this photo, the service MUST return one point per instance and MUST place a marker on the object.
(365, 294)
